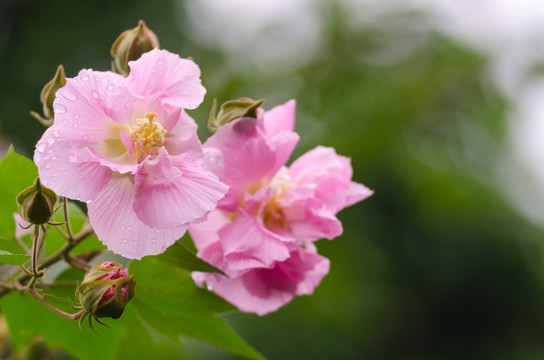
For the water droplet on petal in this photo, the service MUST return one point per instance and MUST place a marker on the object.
(94, 94)
(85, 77)
(110, 87)
(40, 147)
(68, 94)
(56, 133)
(153, 240)
(60, 109)
(75, 125)
(129, 228)
(125, 241)
(56, 173)
(50, 140)
(48, 166)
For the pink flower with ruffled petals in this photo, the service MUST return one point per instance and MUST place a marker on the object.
(262, 233)
(127, 148)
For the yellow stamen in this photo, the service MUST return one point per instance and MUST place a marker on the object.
(147, 136)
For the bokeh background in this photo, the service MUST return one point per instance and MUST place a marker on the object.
(440, 106)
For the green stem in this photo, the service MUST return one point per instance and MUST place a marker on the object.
(58, 311)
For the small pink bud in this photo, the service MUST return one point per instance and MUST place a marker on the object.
(105, 290)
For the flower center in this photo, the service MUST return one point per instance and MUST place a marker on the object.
(147, 136)
(273, 212)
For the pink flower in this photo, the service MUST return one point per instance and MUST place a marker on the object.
(126, 147)
(262, 233)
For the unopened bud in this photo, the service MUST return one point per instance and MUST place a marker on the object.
(106, 289)
(131, 44)
(47, 96)
(37, 203)
(232, 110)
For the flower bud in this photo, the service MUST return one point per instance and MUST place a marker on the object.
(232, 110)
(105, 290)
(47, 96)
(131, 44)
(37, 203)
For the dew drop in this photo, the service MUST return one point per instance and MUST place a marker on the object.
(85, 137)
(125, 241)
(68, 94)
(75, 125)
(48, 166)
(144, 237)
(76, 116)
(56, 173)
(160, 62)
(85, 77)
(129, 228)
(110, 87)
(134, 242)
(153, 240)
(40, 147)
(56, 133)
(37, 157)
(94, 94)
(50, 140)
(60, 108)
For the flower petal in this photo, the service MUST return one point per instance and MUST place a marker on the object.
(262, 291)
(330, 175)
(161, 74)
(174, 192)
(280, 118)
(88, 103)
(80, 180)
(117, 226)
(247, 244)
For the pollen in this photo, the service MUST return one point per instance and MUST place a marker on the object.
(147, 136)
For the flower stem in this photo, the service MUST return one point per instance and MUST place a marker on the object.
(75, 316)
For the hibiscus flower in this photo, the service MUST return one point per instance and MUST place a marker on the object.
(262, 233)
(126, 147)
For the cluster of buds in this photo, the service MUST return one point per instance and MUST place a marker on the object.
(105, 291)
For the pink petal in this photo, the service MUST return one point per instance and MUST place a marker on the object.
(318, 222)
(182, 137)
(20, 225)
(89, 102)
(117, 226)
(77, 180)
(262, 291)
(205, 233)
(280, 118)
(161, 74)
(173, 194)
(247, 244)
(330, 175)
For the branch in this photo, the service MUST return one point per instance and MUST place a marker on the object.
(52, 259)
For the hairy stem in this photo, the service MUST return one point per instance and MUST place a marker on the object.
(58, 311)
(53, 258)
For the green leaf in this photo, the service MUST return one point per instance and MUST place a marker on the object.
(28, 318)
(18, 173)
(168, 300)
(179, 255)
(15, 259)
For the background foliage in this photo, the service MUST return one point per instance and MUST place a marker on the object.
(436, 265)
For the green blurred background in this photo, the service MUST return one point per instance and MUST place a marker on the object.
(438, 263)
